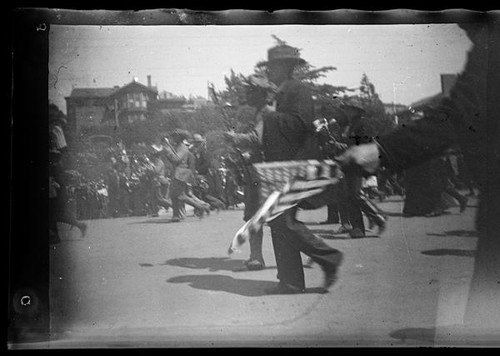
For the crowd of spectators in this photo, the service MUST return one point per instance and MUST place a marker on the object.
(137, 181)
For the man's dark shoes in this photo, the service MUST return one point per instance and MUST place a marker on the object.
(356, 233)
(342, 230)
(382, 225)
(331, 274)
(284, 288)
(463, 204)
(83, 229)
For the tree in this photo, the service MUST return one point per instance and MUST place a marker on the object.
(369, 97)
(376, 121)
(234, 93)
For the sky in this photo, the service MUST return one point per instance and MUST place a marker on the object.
(404, 62)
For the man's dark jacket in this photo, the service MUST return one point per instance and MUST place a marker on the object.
(289, 132)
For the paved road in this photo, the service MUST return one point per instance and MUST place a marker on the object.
(142, 281)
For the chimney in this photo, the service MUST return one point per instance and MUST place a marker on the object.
(447, 82)
(149, 81)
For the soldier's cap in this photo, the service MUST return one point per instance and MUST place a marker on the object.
(283, 53)
(198, 138)
(181, 133)
(157, 148)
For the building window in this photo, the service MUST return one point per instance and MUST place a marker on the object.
(130, 101)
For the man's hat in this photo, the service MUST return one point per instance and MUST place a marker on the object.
(283, 53)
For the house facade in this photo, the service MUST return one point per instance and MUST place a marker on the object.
(115, 106)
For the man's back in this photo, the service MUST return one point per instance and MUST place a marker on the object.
(288, 132)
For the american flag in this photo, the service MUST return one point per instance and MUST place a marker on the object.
(284, 185)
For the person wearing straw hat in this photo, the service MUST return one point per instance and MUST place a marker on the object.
(286, 131)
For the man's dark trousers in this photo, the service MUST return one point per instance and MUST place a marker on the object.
(291, 237)
(357, 203)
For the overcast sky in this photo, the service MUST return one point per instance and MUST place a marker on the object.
(402, 61)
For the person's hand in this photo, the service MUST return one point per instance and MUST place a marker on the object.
(366, 156)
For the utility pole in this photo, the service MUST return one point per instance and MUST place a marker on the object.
(117, 122)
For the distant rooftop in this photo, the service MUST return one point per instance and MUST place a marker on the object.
(92, 92)
(106, 92)
(447, 83)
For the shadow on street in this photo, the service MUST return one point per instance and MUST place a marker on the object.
(456, 233)
(328, 235)
(243, 287)
(449, 252)
(213, 264)
(418, 334)
(154, 221)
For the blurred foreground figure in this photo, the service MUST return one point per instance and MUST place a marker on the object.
(287, 133)
(469, 117)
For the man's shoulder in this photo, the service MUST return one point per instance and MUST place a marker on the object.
(293, 83)
(295, 86)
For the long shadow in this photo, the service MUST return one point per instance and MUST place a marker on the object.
(456, 233)
(427, 335)
(327, 235)
(213, 264)
(409, 215)
(154, 221)
(449, 252)
(396, 214)
(222, 283)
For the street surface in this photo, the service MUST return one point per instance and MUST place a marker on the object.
(146, 282)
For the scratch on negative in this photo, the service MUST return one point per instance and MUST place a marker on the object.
(403, 233)
(57, 75)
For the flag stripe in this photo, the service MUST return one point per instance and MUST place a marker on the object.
(283, 186)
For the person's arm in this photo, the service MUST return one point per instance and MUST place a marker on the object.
(417, 142)
(405, 146)
(173, 156)
(244, 140)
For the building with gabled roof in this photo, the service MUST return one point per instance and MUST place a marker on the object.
(109, 106)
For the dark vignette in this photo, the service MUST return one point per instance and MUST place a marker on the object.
(28, 263)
